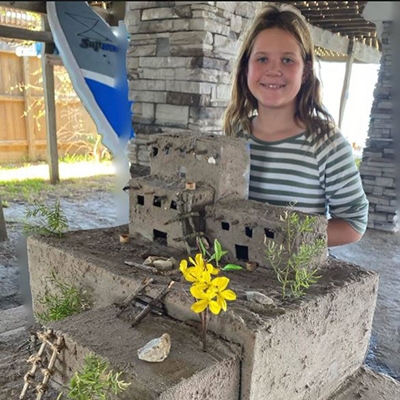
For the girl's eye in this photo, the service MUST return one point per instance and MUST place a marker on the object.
(262, 59)
(287, 61)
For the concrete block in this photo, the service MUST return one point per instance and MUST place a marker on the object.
(388, 182)
(142, 84)
(245, 227)
(191, 38)
(188, 372)
(162, 62)
(141, 51)
(227, 5)
(292, 350)
(189, 87)
(218, 161)
(151, 27)
(166, 13)
(157, 202)
(148, 96)
(132, 18)
(169, 115)
(207, 25)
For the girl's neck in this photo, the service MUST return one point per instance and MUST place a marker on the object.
(273, 125)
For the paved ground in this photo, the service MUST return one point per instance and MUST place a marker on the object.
(380, 251)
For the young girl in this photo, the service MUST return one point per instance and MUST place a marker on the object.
(297, 154)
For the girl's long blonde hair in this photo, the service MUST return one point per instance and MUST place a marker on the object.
(309, 108)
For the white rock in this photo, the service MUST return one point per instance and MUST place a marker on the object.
(157, 350)
(163, 265)
(259, 298)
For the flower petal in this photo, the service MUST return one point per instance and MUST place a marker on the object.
(228, 295)
(192, 261)
(212, 270)
(183, 266)
(221, 301)
(214, 307)
(198, 293)
(199, 306)
(221, 283)
(199, 261)
(201, 285)
(191, 274)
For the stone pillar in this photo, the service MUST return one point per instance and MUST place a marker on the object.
(378, 163)
(179, 64)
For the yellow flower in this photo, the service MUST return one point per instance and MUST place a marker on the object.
(218, 286)
(205, 300)
(200, 273)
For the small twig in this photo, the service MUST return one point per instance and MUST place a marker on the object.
(182, 216)
(129, 299)
(141, 266)
(147, 310)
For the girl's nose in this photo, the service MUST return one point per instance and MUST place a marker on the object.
(273, 69)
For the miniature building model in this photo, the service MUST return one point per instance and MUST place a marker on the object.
(198, 186)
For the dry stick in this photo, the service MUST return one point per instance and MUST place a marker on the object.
(147, 310)
(47, 372)
(35, 360)
(183, 216)
(127, 301)
(141, 266)
(181, 211)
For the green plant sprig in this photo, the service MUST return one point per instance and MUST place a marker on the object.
(49, 220)
(294, 275)
(217, 255)
(68, 302)
(95, 381)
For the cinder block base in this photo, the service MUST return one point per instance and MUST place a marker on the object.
(187, 373)
(296, 350)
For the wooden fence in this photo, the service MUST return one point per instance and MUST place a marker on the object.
(22, 121)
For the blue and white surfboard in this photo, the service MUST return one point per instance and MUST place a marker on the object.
(94, 55)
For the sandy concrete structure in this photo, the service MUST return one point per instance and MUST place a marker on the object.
(284, 349)
(163, 208)
(156, 207)
(245, 227)
(297, 350)
(221, 161)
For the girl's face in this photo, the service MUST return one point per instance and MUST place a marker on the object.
(276, 70)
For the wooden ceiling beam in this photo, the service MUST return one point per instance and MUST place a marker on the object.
(345, 11)
(339, 44)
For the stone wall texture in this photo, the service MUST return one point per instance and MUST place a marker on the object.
(179, 62)
(378, 163)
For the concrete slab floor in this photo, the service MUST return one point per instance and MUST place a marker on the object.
(368, 385)
(380, 251)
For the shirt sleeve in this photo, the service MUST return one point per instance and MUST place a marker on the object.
(343, 188)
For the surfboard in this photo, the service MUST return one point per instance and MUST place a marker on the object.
(94, 55)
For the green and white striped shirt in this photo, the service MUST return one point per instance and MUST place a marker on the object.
(318, 177)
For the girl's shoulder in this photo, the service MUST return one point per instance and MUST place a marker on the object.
(328, 142)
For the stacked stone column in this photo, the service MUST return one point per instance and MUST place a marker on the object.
(179, 62)
(378, 163)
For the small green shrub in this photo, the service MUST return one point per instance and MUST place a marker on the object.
(95, 381)
(68, 301)
(295, 275)
(48, 220)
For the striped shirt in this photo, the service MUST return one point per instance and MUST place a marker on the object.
(318, 177)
